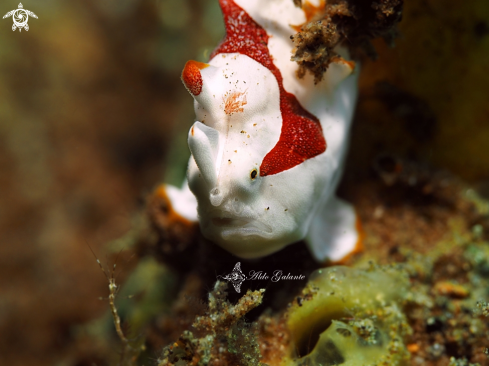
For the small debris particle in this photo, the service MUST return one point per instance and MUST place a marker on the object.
(343, 331)
(484, 306)
(451, 289)
(299, 300)
(413, 348)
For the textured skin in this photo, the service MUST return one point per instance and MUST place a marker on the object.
(191, 77)
(268, 148)
(301, 137)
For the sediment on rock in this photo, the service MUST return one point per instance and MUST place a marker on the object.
(351, 23)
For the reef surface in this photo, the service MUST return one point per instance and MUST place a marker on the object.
(91, 98)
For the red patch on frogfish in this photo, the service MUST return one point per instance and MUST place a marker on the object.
(301, 137)
(191, 76)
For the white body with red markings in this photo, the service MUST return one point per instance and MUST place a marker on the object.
(240, 119)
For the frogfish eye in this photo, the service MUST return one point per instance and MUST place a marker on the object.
(254, 173)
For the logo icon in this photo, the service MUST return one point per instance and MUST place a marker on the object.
(20, 17)
(236, 277)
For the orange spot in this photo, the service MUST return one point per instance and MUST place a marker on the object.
(192, 130)
(359, 247)
(341, 60)
(296, 28)
(413, 347)
(234, 102)
(172, 216)
(199, 65)
(454, 290)
(191, 76)
(310, 11)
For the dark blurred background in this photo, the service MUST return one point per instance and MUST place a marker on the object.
(90, 104)
(93, 116)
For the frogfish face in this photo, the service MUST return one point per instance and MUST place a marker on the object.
(248, 213)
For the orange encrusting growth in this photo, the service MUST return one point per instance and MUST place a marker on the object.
(191, 76)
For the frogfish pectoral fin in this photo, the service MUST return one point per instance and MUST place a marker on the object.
(203, 142)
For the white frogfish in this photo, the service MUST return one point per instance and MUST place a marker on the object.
(268, 147)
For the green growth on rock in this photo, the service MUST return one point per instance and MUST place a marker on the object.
(350, 317)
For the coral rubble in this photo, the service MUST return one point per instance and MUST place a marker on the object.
(348, 22)
(221, 337)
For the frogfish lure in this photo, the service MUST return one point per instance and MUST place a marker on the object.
(268, 147)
